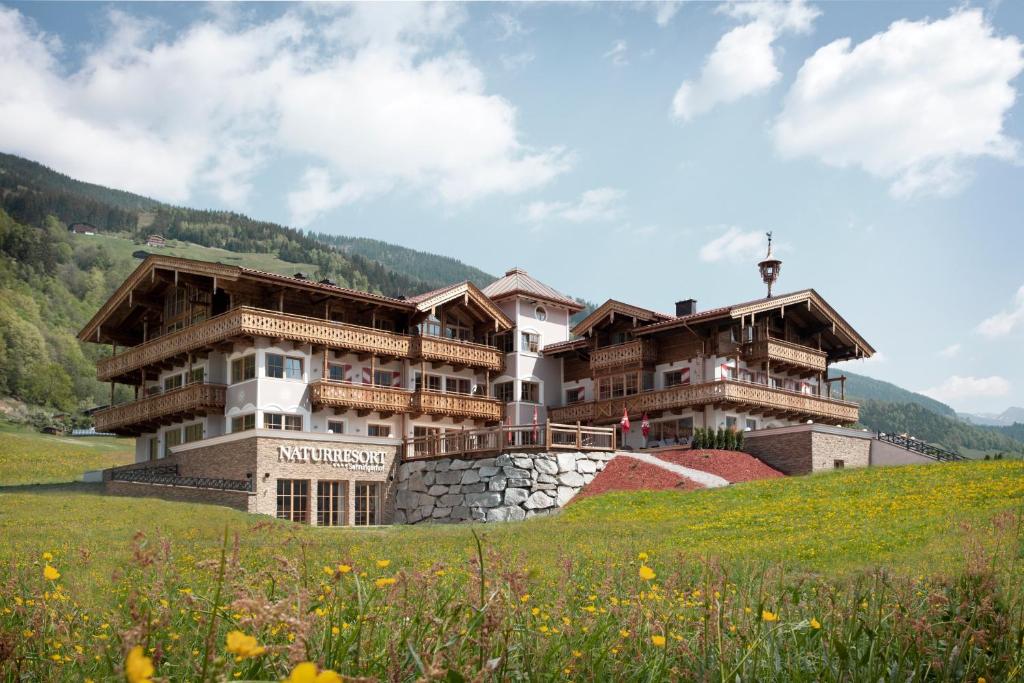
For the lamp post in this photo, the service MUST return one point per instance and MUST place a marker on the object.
(770, 267)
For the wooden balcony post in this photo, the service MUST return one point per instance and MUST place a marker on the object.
(323, 372)
(373, 369)
(111, 392)
(547, 432)
(579, 436)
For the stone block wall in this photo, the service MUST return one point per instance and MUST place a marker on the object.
(807, 448)
(511, 486)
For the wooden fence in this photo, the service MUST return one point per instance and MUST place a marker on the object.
(509, 438)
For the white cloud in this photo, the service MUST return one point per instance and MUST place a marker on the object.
(957, 388)
(1005, 322)
(950, 351)
(734, 245)
(911, 105)
(743, 61)
(371, 97)
(665, 11)
(617, 54)
(599, 204)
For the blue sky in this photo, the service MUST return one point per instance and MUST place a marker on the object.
(635, 151)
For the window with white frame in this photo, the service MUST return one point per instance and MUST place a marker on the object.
(529, 392)
(504, 391)
(243, 423)
(678, 377)
(283, 367)
(378, 429)
(172, 382)
(288, 423)
(529, 342)
(194, 432)
(243, 368)
(433, 382)
(456, 385)
(336, 426)
(574, 395)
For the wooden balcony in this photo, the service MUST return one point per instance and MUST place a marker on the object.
(175, 405)
(457, 353)
(458, 406)
(741, 396)
(361, 397)
(785, 356)
(633, 353)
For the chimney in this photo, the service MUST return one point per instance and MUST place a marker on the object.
(686, 307)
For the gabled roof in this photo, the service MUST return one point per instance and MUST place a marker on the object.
(807, 297)
(517, 282)
(427, 301)
(613, 307)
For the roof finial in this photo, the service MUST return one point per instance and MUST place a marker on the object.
(769, 267)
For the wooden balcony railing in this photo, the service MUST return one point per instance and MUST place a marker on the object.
(636, 352)
(513, 439)
(256, 322)
(171, 406)
(745, 396)
(458, 405)
(782, 354)
(457, 352)
(360, 397)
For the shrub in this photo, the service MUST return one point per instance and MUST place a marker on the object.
(739, 440)
(720, 438)
(698, 438)
(730, 439)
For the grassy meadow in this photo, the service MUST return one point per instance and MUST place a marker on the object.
(28, 457)
(909, 573)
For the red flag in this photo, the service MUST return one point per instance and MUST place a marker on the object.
(645, 426)
(625, 421)
(535, 423)
(509, 425)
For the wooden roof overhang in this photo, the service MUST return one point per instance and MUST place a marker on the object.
(571, 305)
(135, 296)
(612, 308)
(566, 347)
(469, 296)
(807, 307)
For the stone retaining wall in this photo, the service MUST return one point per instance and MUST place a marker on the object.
(510, 486)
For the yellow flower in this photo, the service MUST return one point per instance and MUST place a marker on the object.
(815, 623)
(344, 568)
(642, 557)
(383, 564)
(646, 573)
(328, 571)
(138, 668)
(50, 573)
(769, 616)
(335, 630)
(384, 582)
(244, 646)
(47, 557)
(306, 672)
(624, 633)
(524, 597)
(659, 641)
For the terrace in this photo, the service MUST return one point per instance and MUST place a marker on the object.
(183, 403)
(388, 400)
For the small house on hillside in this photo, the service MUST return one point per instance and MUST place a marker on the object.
(82, 229)
(156, 241)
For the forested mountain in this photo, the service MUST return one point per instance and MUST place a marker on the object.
(922, 423)
(859, 387)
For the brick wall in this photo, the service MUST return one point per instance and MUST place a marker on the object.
(788, 453)
(803, 449)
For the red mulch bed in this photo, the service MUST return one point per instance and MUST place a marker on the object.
(730, 465)
(628, 474)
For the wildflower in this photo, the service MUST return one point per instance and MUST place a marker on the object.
(525, 597)
(624, 633)
(642, 557)
(769, 616)
(335, 630)
(50, 573)
(659, 641)
(383, 564)
(138, 668)
(306, 672)
(646, 573)
(243, 645)
(47, 556)
(384, 581)
(344, 568)
(815, 624)
(328, 571)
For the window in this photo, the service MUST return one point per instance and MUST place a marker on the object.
(243, 423)
(457, 385)
(503, 391)
(288, 423)
(293, 500)
(728, 371)
(618, 338)
(839, 464)
(431, 327)
(172, 438)
(386, 378)
(731, 421)
(647, 383)
(751, 424)
(456, 330)
(604, 388)
(330, 503)
(338, 372)
(194, 432)
(283, 367)
(674, 378)
(505, 342)
(336, 426)
(198, 376)
(172, 382)
(421, 446)
(618, 386)
(575, 395)
(433, 382)
(243, 368)
(541, 314)
(386, 325)
(529, 342)
(631, 386)
(381, 430)
(529, 392)
(154, 448)
(367, 503)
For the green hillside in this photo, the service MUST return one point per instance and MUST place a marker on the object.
(860, 387)
(921, 423)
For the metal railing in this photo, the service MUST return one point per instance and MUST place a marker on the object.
(510, 438)
(917, 446)
(148, 475)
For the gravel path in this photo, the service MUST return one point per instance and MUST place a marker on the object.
(706, 479)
